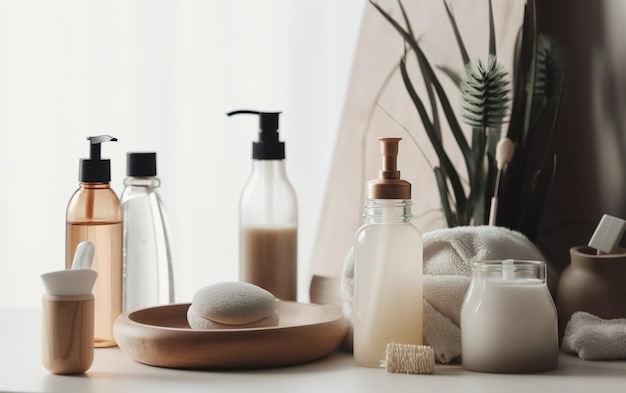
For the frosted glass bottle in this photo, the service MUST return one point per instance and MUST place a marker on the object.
(268, 216)
(388, 256)
(148, 276)
(94, 213)
(269, 230)
(388, 284)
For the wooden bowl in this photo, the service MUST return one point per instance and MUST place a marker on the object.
(161, 336)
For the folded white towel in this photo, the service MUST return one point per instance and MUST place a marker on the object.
(594, 338)
(448, 257)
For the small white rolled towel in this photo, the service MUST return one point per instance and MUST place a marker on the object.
(594, 338)
(448, 257)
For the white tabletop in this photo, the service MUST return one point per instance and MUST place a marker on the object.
(113, 371)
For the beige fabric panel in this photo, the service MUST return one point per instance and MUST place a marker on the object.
(372, 101)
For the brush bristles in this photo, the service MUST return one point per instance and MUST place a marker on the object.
(485, 93)
(410, 359)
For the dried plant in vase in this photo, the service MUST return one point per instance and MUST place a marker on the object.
(495, 164)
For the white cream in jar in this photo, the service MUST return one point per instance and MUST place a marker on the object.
(508, 319)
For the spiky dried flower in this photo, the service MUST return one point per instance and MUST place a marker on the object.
(484, 93)
(549, 68)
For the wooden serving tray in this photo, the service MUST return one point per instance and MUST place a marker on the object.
(160, 336)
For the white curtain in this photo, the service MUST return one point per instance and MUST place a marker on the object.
(160, 76)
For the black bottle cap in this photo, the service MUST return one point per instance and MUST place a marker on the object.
(268, 147)
(141, 164)
(95, 169)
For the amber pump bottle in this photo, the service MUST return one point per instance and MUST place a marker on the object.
(268, 216)
(94, 213)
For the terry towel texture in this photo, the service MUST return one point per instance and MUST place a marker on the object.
(594, 338)
(448, 257)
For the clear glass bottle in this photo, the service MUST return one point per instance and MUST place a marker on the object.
(268, 217)
(94, 213)
(148, 276)
(388, 255)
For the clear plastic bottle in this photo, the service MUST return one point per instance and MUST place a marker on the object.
(388, 267)
(94, 213)
(148, 277)
(268, 216)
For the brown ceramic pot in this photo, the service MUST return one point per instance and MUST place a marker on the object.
(592, 283)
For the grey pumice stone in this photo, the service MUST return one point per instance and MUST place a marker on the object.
(234, 303)
(197, 322)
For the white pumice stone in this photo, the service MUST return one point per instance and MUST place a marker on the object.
(197, 322)
(234, 303)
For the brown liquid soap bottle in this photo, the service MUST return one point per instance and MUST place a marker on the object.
(268, 216)
(94, 214)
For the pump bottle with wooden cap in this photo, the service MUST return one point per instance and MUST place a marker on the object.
(94, 214)
(388, 256)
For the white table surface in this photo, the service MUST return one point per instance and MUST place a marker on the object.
(113, 371)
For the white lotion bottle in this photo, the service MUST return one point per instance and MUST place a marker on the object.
(388, 255)
(268, 218)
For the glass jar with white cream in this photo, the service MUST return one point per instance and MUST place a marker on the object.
(508, 319)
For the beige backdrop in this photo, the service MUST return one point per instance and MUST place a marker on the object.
(590, 177)
(378, 105)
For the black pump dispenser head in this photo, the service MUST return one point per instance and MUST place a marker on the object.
(95, 169)
(268, 147)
